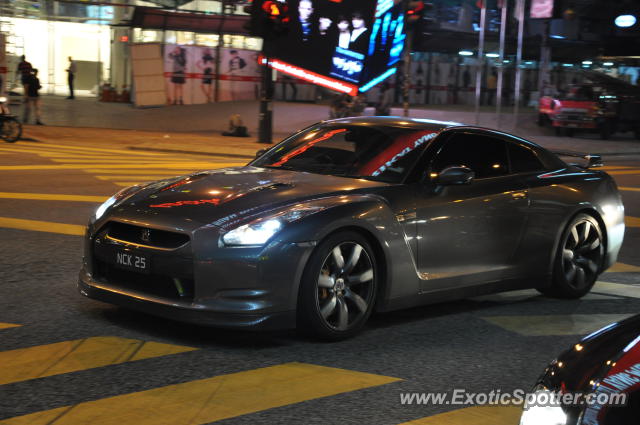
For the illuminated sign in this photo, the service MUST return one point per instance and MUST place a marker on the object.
(344, 46)
(542, 9)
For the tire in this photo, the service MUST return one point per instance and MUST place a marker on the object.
(337, 294)
(10, 129)
(560, 131)
(578, 261)
(636, 133)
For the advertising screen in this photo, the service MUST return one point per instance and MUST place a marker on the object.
(346, 45)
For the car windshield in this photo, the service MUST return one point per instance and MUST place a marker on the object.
(381, 153)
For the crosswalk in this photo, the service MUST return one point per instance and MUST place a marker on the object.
(121, 167)
(195, 402)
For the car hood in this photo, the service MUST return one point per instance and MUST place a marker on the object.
(604, 353)
(209, 196)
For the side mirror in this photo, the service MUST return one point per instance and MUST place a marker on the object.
(260, 153)
(454, 175)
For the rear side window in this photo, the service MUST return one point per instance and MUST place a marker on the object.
(486, 156)
(523, 159)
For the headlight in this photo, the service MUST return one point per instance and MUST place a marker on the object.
(105, 205)
(115, 198)
(3, 99)
(259, 231)
(543, 408)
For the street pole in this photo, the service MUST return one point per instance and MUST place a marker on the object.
(503, 31)
(265, 124)
(516, 106)
(406, 83)
(483, 19)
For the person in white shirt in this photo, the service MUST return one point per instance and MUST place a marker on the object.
(71, 75)
(344, 35)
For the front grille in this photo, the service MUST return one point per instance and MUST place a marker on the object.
(144, 236)
(153, 284)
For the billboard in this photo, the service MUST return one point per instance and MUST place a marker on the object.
(345, 45)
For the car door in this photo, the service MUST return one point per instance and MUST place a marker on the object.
(468, 233)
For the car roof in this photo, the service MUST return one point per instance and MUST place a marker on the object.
(417, 123)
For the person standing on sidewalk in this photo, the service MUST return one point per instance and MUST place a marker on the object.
(24, 71)
(71, 75)
(33, 98)
(383, 107)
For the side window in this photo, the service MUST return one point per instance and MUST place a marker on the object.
(523, 159)
(485, 155)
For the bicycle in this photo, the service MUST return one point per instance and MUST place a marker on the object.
(10, 127)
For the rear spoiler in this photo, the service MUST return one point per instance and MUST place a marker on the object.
(593, 161)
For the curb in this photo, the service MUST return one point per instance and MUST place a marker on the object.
(224, 155)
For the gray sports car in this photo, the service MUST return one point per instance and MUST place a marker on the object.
(350, 216)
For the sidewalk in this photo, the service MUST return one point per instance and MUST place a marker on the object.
(197, 128)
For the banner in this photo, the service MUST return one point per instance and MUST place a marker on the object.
(190, 74)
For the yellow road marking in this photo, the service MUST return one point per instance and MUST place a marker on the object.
(619, 167)
(476, 415)
(141, 177)
(116, 161)
(88, 149)
(630, 189)
(624, 172)
(8, 325)
(623, 268)
(180, 166)
(632, 221)
(212, 399)
(82, 354)
(546, 325)
(145, 171)
(127, 184)
(52, 197)
(619, 289)
(42, 226)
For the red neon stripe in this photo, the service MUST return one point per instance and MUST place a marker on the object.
(308, 145)
(312, 77)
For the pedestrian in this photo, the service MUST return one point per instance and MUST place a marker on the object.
(24, 71)
(71, 75)
(33, 98)
(383, 107)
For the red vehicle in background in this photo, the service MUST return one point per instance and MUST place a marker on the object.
(604, 105)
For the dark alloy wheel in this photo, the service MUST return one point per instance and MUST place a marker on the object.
(578, 261)
(338, 287)
(10, 129)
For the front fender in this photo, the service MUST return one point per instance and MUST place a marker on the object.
(373, 217)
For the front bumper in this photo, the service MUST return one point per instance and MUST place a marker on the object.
(184, 312)
(253, 288)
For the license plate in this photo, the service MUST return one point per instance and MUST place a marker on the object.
(132, 261)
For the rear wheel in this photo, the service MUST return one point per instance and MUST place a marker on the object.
(578, 260)
(10, 129)
(338, 287)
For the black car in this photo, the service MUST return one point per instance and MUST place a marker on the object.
(350, 216)
(604, 368)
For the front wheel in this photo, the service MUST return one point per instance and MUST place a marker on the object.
(338, 287)
(578, 260)
(10, 129)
